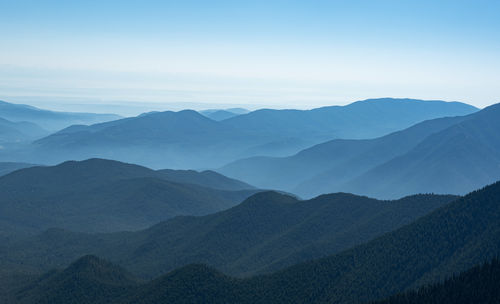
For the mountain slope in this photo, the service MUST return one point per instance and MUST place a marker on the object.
(268, 231)
(207, 178)
(190, 284)
(448, 241)
(201, 284)
(187, 139)
(88, 280)
(6, 167)
(49, 120)
(325, 167)
(101, 195)
(479, 284)
(15, 132)
(446, 155)
(456, 160)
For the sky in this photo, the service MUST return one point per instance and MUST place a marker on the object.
(150, 55)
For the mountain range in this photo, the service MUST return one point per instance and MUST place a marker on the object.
(49, 120)
(103, 195)
(445, 155)
(359, 120)
(267, 232)
(187, 139)
(19, 132)
(93, 280)
(379, 201)
(450, 240)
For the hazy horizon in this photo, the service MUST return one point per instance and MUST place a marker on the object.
(133, 108)
(277, 54)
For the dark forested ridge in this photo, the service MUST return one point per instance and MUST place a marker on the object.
(268, 231)
(479, 285)
(102, 195)
(448, 241)
(446, 155)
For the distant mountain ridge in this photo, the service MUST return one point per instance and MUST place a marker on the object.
(358, 120)
(19, 132)
(49, 120)
(187, 139)
(445, 155)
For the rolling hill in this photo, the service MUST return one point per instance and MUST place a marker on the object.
(101, 195)
(268, 231)
(446, 155)
(187, 139)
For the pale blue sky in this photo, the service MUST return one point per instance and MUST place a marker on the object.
(254, 53)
